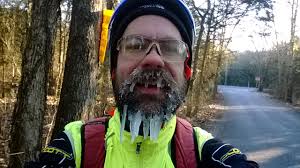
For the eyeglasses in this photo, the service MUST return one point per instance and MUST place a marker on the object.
(136, 47)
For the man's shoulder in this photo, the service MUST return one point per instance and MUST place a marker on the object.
(75, 125)
(200, 134)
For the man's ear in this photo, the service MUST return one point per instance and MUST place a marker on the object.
(187, 72)
(187, 69)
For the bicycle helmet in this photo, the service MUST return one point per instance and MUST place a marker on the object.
(174, 10)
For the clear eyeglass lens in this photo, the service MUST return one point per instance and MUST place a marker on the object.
(173, 50)
(134, 44)
(136, 47)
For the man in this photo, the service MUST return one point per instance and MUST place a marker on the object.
(150, 48)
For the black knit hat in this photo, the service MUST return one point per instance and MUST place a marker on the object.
(174, 10)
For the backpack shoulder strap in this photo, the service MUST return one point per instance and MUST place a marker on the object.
(93, 142)
(184, 145)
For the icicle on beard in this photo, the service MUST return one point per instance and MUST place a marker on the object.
(151, 115)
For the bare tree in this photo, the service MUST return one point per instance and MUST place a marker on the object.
(59, 62)
(29, 110)
(289, 70)
(81, 68)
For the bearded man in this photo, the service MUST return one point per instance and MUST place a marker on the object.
(150, 49)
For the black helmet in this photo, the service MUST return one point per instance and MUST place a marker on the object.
(174, 10)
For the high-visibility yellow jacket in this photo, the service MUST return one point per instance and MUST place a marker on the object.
(152, 153)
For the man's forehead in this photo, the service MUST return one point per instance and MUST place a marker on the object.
(152, 26)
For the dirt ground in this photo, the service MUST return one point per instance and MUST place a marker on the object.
(207, 114)
(203, 119)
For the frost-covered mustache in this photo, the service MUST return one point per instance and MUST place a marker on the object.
(148, 78)
(156, 78)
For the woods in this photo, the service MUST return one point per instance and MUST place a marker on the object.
(50, 73)
(274, 70)
(217, 21)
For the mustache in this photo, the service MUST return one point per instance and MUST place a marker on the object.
(159, 78)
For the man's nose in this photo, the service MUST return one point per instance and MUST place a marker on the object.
(153, 59)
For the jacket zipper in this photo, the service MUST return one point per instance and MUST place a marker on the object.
(138, 147)
(138, 152)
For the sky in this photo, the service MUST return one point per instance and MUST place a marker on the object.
(249, 27)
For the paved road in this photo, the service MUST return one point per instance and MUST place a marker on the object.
(266, 129)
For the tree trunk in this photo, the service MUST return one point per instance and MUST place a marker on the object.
(81, 68)
(103, 91)
(219, 62)
(296, 82)
(201, 31)
(196, 55)
(291, 54)
(3, 77)
(27, 119)
(205, 55)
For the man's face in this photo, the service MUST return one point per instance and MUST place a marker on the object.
(149, 84)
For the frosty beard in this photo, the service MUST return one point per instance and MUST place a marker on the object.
(149, 111)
